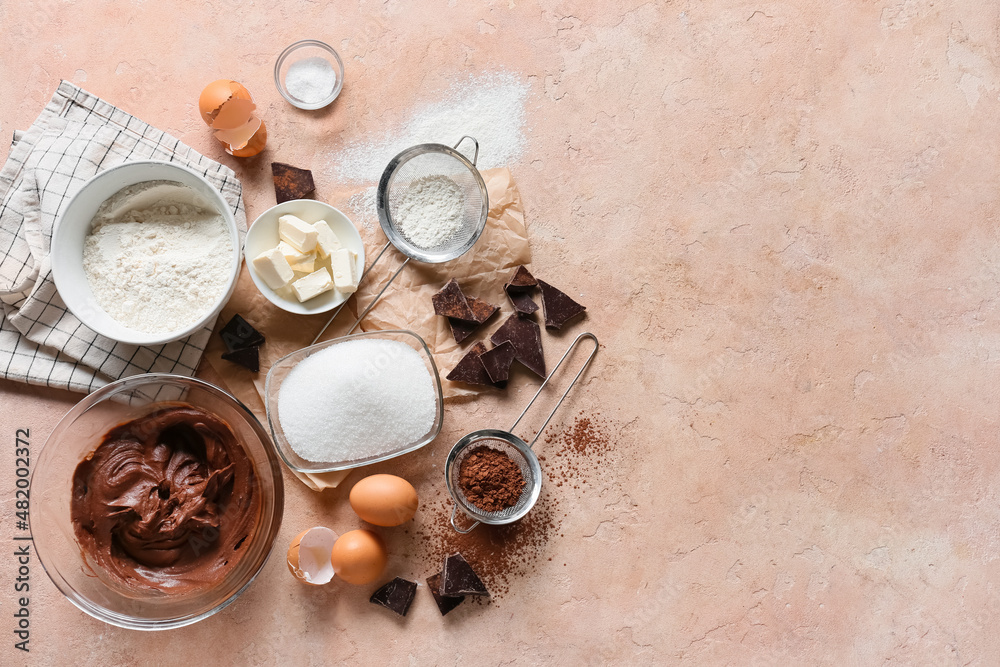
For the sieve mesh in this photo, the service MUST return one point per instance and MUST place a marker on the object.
(532, 479)
(430, 160)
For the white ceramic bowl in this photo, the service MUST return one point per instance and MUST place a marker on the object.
(73, 226)
(263, 235)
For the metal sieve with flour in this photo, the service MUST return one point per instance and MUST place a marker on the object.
(402, 172)
(519, 451)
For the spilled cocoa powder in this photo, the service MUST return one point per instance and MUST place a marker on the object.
(579, 454)
(582, 452)
(490, 479)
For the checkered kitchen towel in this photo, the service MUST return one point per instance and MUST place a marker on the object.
(41, 342)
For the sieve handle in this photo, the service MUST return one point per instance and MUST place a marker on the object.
(378, 296)
(565, 393)
(341, 306)
(454, 510)
(473, 140)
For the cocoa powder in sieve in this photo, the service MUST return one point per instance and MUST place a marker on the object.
(490, 479)
(583, 452)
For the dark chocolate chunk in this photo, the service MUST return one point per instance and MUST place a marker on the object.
(521, 281)
(526, 337)
(397, 595)
(481, 310)
(469, 370)
(444, 602)
(451, 302)
(522, 301)
(462, 329)
(248, 357)
(239, 335)
(458, 578)
(291, 182)
(559, 308)
(497, 362)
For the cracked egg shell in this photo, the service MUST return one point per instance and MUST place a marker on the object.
(359, 557)
(309, 556)
(241, 136)
(225, 93)
(254, 145)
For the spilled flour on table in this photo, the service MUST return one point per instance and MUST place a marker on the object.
(489, 107)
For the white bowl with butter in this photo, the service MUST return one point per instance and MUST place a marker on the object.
(262, 237)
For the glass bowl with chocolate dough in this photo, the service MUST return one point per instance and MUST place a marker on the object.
(155, 501)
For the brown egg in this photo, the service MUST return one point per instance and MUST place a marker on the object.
(384, 500)
(359, 557)
(309, 556)
(216, 95)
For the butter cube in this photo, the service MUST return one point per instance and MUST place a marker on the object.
(273, 268)
(312, 285)
(327, 242)
(292, 255)
(344, 276)
(303, 262)
(297, 233)
(308, 265)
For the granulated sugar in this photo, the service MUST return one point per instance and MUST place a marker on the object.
(489, 107)
(356, 399)
(311, 80)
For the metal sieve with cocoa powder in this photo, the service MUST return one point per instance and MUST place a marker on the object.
(500, 505)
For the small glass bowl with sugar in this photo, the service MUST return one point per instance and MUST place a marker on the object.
(309, 74)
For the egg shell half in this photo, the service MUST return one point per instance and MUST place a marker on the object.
(254, 146)
(309, 556)
(384, 500)
(359, 557)
(216, 94)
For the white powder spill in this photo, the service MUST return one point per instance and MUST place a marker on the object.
(356, 399)
(363, 204)
(488, 107)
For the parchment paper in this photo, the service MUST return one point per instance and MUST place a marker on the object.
(481, 272)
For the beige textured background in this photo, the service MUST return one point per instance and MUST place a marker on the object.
(782, 216)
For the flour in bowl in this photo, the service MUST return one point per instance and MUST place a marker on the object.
(158, 256)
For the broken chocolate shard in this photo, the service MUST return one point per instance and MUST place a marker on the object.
(291, 182)
(239, 335)
(451, 302)
(397, 595)
(469, 370)
(497, 361)
(248, 357)
(521, 281)
(526, 337)
(458, 578)
(522, 302)
(559, 308)
(481, 310)
(445, 603)
(462, 329)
